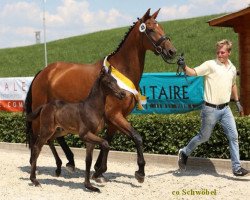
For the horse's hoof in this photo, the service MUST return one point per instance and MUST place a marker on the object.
(92, 188)
(70, 167)
(39, 185)
(139, 177)
(36, 183)
(58, 172)
(100, 179)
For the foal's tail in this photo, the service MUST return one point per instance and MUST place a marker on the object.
(33, 115)
(28, 110)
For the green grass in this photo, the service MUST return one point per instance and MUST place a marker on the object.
(193, 36)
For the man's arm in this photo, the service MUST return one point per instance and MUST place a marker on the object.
(235, 93)
(189, 71)
(236, 99)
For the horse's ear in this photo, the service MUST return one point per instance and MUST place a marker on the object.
(146, 15)
(156, 14)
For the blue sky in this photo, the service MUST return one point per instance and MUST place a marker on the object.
(19, 19)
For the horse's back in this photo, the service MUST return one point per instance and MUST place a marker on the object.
(65, 81)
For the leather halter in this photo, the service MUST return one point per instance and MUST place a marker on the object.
(157, 44)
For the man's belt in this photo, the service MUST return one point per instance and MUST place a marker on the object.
(219, 107)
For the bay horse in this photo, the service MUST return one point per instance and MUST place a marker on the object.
(85, 118)
(72, 82)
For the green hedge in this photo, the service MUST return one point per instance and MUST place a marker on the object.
(162, 134)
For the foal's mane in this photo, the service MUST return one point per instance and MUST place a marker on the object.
(95, 86)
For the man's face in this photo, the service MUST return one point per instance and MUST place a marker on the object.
(223, 54)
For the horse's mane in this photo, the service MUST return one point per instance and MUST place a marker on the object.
(127, 34)
(123, 40)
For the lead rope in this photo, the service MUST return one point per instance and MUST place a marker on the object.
(180, 69)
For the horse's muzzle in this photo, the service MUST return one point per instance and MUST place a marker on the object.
(168, 54)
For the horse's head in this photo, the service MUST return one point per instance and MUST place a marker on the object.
(154, 37)
(109, 84)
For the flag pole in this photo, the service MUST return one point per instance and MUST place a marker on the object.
(44, 34)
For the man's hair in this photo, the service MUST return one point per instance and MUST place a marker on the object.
(223, 42)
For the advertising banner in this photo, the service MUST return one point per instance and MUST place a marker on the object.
(165, 92)
(13, 93)
(169, 93)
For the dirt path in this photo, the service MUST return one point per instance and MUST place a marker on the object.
(161, 182)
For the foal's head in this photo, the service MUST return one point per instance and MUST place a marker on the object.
(109, 84)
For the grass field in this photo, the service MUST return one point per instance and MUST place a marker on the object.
(193, 36)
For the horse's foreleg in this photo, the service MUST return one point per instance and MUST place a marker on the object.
(125, 127)
(140, 174)
(69, 155)
(57, 158)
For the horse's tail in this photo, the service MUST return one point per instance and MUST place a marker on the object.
(33, 115)
(27, 111)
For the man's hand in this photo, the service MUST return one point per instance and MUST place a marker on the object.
(239, 108)
(181, 62)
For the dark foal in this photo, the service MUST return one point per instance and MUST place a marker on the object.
(85, 118)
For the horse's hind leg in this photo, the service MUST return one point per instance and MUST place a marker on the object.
(57, 158)
(69, 155)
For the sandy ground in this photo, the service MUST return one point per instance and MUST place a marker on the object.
(161, 182)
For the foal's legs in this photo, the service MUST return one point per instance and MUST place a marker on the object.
(43, 134)
(46, 131)
(70, 156)
(103, 167)
(88, 161)
(34, 155)
(101, 160)
(33, 136)
(92, 139)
